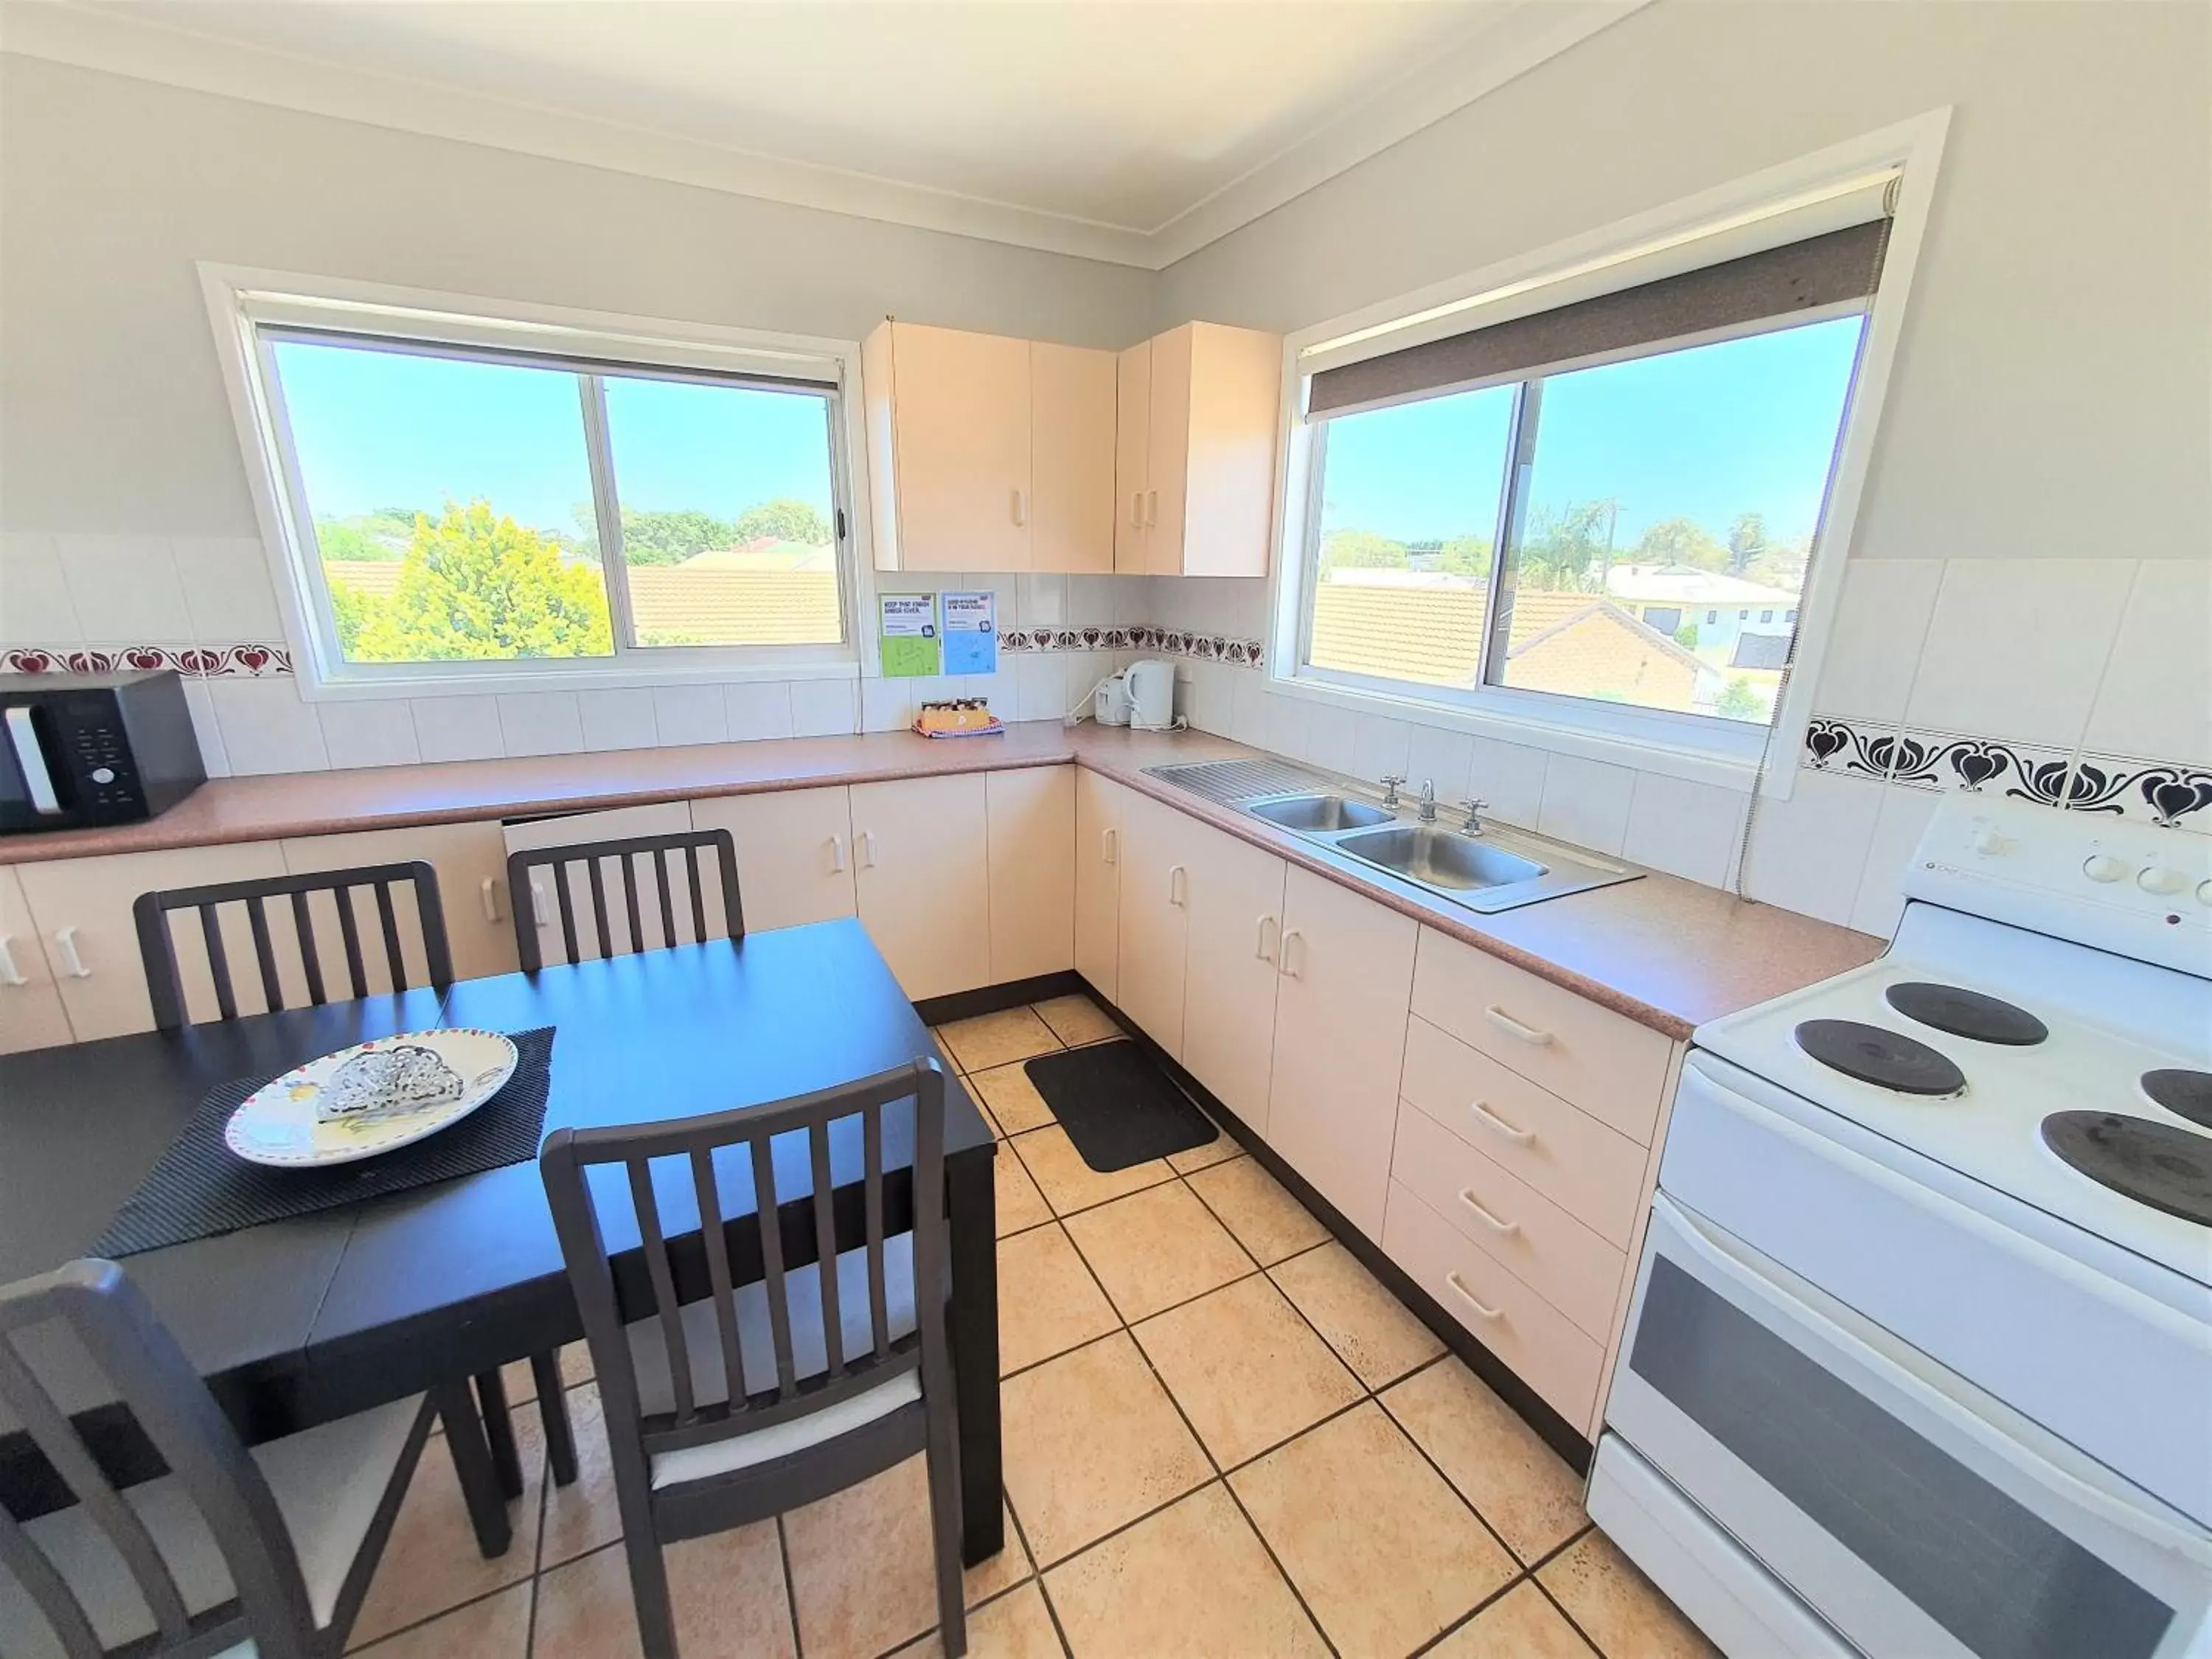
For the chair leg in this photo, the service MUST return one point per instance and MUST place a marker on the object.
(946, 1527)
(553, 1411)
(648, 1591)
(499, 1431)
(473, 1468)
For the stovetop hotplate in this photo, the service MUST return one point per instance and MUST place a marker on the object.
(1961, 1012)
(1889, 1059)
(2153, 1163)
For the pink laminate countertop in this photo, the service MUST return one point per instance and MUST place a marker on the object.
(1665, 952)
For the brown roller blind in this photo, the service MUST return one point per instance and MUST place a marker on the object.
(1821, 271)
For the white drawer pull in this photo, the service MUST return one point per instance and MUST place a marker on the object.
(1467, 1197)
(867, 849)
(1482, 1112)
(1283, 954)
(836, 853)
(488, 891)
(1109, 845)
(1512, 1027)
(65, 948)
(1178, 885)
(9, 974)
(1259, 946)
(1467, 1296)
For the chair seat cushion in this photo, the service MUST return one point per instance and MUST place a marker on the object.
(328, 1483)
(794, 1434)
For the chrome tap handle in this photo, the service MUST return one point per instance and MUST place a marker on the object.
(1473, 809)
(1390, 783)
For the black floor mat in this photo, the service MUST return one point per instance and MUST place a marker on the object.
(1118, 1106)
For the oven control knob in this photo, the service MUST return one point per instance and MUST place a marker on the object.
(2103, 866)
(1987, 840)
(2161, 878)
(103, 774)
(2204, 892)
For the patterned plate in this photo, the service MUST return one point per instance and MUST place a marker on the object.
(278, 1124)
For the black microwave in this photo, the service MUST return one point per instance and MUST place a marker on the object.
(90, 749)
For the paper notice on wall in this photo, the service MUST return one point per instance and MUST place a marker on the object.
(971, 632)
(909, 635)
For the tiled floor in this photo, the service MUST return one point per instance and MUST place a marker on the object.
(1222, 1438)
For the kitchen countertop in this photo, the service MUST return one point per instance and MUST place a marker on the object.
(1665, 952)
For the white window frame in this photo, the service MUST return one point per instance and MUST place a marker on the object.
(1713, 224)
(240, 301)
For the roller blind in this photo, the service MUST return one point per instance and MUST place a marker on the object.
(1834, 267)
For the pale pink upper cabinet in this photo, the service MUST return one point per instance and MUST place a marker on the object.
(1072, 398)
(1194, 459)
(1132, 429)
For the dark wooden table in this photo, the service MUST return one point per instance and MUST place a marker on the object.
(300, 1322)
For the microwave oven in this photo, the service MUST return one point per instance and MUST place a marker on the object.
(79, 750)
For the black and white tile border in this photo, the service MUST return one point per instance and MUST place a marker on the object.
(2158, 791)
(205, 662)
(1207, 647)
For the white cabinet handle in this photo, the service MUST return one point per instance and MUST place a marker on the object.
(1260, 945)
(1467, 1197)
(1137, 510)
(9, 974)
(836, 853)
(1021, 515)
(1282, 955)
(1109, 845)
(487, 892)
(540, 911)
(867, 849)
(1153, 510)
(1482, 1111)
(1467, 1296)
(65, 948)
(1178, 885)
(1512, 1027)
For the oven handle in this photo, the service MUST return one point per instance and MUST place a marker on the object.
(31, 755)
(1956, 1413)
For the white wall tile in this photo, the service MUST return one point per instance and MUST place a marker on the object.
(1882, 624)
(1683, 827)
(540, 723)
(1439, 757)
(124, 587)
(1898, 828)
(1089, 601)
(1083, 669)
(458, 729)
(266, 727)
(824, 709)
(2016, 647)
(1040, 686)
(2156, 698)
(690, 713)
(1041, 602)
(1383, 745)
(214, 757)
(1289, 724)
(757, 709)
(620, 718)
(886, 705)
(1333, 739)
(1510, 776)
(1807, 852)
(35, 608)
(379, 733)
(1210, 705)
(1586, 802)
(1247, 707)
(228, 593)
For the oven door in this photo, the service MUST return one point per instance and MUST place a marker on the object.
(1915, 1513)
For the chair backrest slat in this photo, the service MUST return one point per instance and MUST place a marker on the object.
(825, 1247)
(628, 866)
(699, 897)
(660, 856)
(599, 909)
(264, 951)
(719, 1278)
(567, 910)
(49, 1591)
(349, 936)
(395, 959)
(879, 1316)
(620, 862)
(768, 1209)
(311, 959)
(665, 1306)
(226, 999)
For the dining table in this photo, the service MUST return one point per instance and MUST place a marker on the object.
(300, 1322)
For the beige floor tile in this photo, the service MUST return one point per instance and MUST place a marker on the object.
(1193, 1582)
(1092, 1443)
(1246, 1369)
(497, 1627)
(1266, 1220)
(1157, 1247)
(727, 1592)
(1020, 1205)
(582, 1516)
(1368, 1327)
(1516, 1483)
(431, 1562)
(585, 1610)
(1048, 1301)
(1382, 1548)
(1077, 1020)
(1017, 1626)
(1011, 1098)
(1068, 1183)
(1009, 1566)
(1623, 1611)
(1521, 1624)
(1219, 1149)
(998, 1039)
(943, 1053)
(862, 1568)
(575, 1363)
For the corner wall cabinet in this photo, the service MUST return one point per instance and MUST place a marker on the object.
(1194, 451)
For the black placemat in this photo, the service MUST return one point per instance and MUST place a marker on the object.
(200, 1188)
(1117, 1105)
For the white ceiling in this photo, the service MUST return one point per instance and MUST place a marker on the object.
(1133, 130)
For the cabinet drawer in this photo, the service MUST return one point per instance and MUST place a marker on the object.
(1611, 1067)
(1593, 1173)
(1539, 1343)
(1547, 1249)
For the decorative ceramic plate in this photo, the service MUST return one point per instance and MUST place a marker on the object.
(371, 1098)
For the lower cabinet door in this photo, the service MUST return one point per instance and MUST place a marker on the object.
(470, 859)
(1156, 842)
(794, 854)
(921, 876)
(541, 901)
(1344, 982)
(1229, 977)
(1098, 882)
(31, 1013)
(1032, 859)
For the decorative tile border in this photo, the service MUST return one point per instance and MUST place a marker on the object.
(1207, 647)
(2158, 791)
(196, 662)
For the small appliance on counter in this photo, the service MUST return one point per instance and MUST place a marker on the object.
(1111, 702)
(967, 717)
(1152, 695)
(94, 749)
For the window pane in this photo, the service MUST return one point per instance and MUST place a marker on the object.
(443, 495)
(1671, 509)
(1409, 510)
(727, 520)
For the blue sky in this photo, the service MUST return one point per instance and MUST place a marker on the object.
(380, 429)
(1748, 426)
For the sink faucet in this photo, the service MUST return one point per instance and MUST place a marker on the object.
(1428, 812)
(1473, 809)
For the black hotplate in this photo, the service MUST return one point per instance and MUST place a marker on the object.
(1966, 1013)
(2181, 1091)
(1888, 1059)
(2153, 1163)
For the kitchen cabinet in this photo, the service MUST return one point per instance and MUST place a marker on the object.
(1236, 909)
(1071, 410)
(470, 859)
(31, 1013)
(1031, 817)
(1345, 981)
(1155, 917)
(794, 852)
(921, 877)
(1098, 817)
(1194, 451)
(616, 824)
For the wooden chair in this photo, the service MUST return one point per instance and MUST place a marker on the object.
(750, 1368)
(619, 859)
(281, 908)
(274, 1547)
